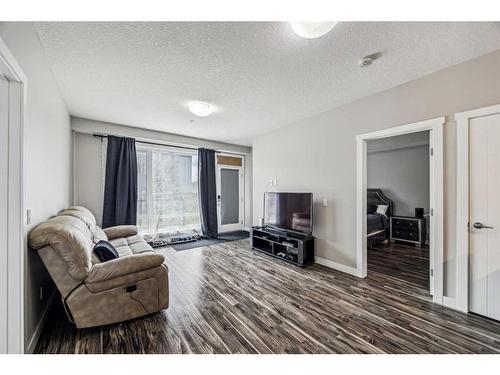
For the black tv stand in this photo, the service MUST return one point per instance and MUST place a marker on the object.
(292, 247)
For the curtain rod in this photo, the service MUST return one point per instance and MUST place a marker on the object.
(97, 135)
(149, 143)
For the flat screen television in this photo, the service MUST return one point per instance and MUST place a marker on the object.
(289, 211)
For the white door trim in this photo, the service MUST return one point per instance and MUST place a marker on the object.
(16, 238)
(462, 230)
(241, 184)
(436, 196)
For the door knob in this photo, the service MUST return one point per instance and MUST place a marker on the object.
(479, 225)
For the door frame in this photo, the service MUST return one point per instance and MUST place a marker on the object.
(14, 259)
(436, 226)
(463, 200)
(241, 186)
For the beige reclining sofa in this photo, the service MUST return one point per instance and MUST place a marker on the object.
(95, 293)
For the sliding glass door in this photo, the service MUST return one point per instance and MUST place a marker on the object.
(167, 189)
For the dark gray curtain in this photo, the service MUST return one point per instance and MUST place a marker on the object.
(120, 189)
(207, 192)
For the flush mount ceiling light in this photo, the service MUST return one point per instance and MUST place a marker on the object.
(200, 109)
(312, 30)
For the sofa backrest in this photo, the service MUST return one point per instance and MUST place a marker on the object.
(71, 234)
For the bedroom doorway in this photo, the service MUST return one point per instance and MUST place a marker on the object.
(398, 210)
(404, 231)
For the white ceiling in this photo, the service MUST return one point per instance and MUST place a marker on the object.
(261, 76)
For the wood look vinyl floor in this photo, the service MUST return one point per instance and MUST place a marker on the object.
(226, 298)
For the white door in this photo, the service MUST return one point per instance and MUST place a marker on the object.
(4, 153)
(484, 219)
(229, 198)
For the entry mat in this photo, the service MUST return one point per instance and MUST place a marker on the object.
(223, 237)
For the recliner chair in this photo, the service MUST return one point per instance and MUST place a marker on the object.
(95, 293)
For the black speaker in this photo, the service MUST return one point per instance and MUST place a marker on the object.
(419, 212)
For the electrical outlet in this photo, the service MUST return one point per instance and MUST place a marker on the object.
(325, 202)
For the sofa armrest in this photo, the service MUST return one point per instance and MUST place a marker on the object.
(121, 231)
(124, 266)
(125, 280)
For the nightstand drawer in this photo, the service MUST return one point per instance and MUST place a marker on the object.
(405, 234)
(408, 229)
(405, 223)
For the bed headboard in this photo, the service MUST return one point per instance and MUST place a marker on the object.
(375, 197)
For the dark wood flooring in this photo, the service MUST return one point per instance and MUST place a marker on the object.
(228, 299)
(402, 263)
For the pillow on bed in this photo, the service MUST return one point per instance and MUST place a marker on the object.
(382, 209)
(372, 208)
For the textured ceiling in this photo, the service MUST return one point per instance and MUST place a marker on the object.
(261, 76)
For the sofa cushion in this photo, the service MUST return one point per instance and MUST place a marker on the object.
(138, 245)
(81, 213)
(130, 245)
(71, 238)
(99, 235)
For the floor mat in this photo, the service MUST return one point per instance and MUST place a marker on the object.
(224, 237)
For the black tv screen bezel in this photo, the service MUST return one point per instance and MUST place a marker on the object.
(288, 229)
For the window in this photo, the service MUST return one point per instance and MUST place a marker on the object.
(167, 196)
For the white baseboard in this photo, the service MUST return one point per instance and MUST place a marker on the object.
(41, 323)
(451, 302)
(337, 266)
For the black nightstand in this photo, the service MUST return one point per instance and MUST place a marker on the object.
(408, 229)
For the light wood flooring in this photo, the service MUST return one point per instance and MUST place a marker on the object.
(227, 298)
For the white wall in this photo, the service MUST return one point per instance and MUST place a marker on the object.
(88, 180)
(318, 154)
(88, 173)
(400, 167)
(48, 155)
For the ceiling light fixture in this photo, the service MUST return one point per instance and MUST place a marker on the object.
(312, 30)
(200, 109)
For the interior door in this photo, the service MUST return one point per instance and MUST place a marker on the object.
(4, 153)
(229, 198)
(484, 216)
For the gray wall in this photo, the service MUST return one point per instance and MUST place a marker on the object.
(400, 167)
(318, 154)
(47, 153)
(88, 169)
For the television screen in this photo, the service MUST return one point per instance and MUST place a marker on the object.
(290, 211)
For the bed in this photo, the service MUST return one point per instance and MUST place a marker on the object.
(377, 225)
